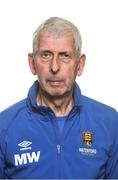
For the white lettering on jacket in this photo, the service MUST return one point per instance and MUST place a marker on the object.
(26, 158)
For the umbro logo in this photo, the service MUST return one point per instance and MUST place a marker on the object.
(25, 145)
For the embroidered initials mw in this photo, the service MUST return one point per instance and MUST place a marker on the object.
(26, 158)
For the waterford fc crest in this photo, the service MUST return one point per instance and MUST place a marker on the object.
(87, 138)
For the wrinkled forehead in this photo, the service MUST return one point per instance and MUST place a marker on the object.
(50, 41)
(56, 35)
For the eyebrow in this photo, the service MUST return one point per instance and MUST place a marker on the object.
(60, 52)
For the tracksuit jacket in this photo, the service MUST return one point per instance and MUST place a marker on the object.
(31, 146)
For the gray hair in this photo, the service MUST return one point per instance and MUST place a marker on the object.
(58, 27)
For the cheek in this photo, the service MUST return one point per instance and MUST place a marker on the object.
(41, 70)
(69, 77)
(42, 73)
(70, 72)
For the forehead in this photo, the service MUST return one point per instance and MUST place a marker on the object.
(50, 42)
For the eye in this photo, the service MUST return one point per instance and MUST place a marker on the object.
(45, 55)
(65, 56)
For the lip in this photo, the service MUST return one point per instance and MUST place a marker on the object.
(55, 82)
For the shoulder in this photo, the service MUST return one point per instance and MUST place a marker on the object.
(96, 104)
(99, 109)
(8, 116)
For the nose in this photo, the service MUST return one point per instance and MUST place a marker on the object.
(55, 64)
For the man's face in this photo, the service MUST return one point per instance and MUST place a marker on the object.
(56, 64)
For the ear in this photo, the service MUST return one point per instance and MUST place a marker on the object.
(81, 64)
(31, 63)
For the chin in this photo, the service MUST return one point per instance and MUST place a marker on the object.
(53, 94)
(57, 94)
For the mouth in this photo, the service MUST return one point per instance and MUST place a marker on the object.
(55, 82)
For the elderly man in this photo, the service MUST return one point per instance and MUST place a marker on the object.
(56, 132)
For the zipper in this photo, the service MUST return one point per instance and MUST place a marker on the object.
(58, 149)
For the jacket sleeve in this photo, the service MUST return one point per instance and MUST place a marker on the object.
(2, 149)
(2, 158)
(112, 165)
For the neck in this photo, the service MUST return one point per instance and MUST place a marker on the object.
(60, 105)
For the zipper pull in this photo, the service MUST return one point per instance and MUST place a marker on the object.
(58, 148)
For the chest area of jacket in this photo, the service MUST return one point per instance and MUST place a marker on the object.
(38, 140)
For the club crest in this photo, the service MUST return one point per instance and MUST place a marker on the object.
(87, 138)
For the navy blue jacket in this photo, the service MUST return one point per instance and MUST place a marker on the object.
(31, 145)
